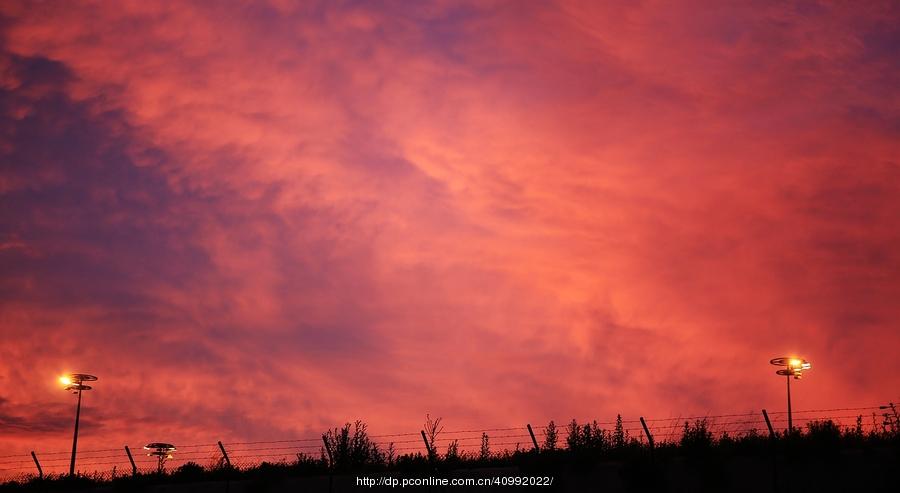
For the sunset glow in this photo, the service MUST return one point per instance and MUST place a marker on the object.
(258, 221)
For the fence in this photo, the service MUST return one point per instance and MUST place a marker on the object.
(111, 462)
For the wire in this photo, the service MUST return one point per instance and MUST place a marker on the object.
(395, 435)
(666, 427)
(273, 441)
(827, 410)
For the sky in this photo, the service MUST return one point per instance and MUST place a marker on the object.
(261, 220)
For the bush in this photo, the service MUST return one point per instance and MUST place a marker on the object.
(189, 471)
(586, 437)
(825, 436)
(550, 436)
(697, 435)
(348, 450)
(485, 452)
(620, 436)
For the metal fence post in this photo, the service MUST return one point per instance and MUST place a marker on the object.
(772, 437)
(533, 440)
(225, 454)
(427, 446)
(769, 424)
(647, 431)
(131, 459)
(38, 464)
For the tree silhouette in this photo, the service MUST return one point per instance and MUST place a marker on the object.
(433, 428)
(351, 450)
(551, 436)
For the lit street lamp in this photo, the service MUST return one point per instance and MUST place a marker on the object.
(793, 367)
(161, 451)
(75, 383)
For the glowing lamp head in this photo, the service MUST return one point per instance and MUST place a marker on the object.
(793, 366)
(76, 381)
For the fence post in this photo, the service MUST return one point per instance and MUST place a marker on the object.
(225, 454)
(773, 437)
(647, 431)
(131, 459)
(769, 424)
(427, 447)
(533, 440)
(38, 464)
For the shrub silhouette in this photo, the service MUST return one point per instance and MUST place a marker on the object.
(307, 464)
(452, 454)
(189, 471)
(620, 436)
(696, 436)
(824, 435)
(390, 455)
(824, 429)
(351, 450)
(485, 452)
(550, 436)
(433, 428)
(587, 437)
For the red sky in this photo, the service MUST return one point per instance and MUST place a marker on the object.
(261, 221)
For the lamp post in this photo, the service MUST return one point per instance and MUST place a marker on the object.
(75, 383)
(793, 367)
(161, 451)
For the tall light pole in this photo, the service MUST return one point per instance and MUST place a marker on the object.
(161, 451)
(793, 367)
(75, 383)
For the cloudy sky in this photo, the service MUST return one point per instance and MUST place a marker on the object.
(258, 221)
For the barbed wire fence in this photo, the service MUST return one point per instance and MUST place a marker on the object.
(110, 463)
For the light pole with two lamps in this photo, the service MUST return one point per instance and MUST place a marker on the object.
(793, 367)
(161, 451)
(75, 383)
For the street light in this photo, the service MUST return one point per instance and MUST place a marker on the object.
(793, 367)
(75, 383)
(161, 451)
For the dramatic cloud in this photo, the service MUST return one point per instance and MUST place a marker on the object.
(260, 221)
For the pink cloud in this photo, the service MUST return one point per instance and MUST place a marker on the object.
(271, 220)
